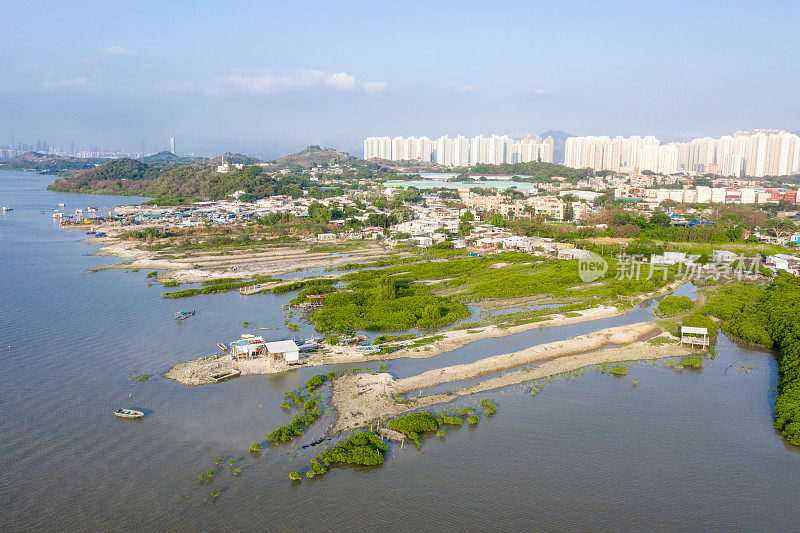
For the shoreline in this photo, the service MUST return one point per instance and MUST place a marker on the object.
(195, 372)
(274, 262)
(363, 398)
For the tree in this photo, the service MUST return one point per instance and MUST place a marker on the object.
(643, 247)
(319, 213)
(780, 227)
(569, 212)
(467, 216)
(385, 289)
(497, 220)
(661, 219)
(381, 220)
(402, 214)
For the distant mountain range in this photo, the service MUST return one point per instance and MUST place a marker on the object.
(46, 162)
(558, 146)
(169, 157)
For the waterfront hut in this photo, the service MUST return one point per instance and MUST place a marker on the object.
(694, 336)
(287, 349)
(248, 348)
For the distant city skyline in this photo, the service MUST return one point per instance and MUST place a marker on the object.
(265, 79)
(15, 147)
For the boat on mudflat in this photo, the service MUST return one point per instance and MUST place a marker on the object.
(216, 377)
(128, 413)
(368, 349)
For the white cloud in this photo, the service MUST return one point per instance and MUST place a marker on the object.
(374, 86)
(340, 80)
(465, 89)
(116, 51)
(266, 82)
(542, 92)
(71, 82)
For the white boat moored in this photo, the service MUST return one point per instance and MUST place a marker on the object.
(128, 413)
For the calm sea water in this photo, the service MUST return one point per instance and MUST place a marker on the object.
(681, 450)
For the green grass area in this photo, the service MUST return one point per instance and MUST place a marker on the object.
(300, 284)
(430, 293)
(673, 305)
(660, 341)
(302, 296)
(215, 287)
(363, 448)
(383, 339)
(383, 303)
(412, 424)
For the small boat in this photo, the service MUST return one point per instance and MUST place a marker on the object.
(128, 413)
(183, 315)
(216, 377)
(90, 232)
(79, 211)
(368, 349)
(5, 208)
(222, 347)
(309, 345)
(58, 215)
(99, 234)
(248, 336)
(60, 205)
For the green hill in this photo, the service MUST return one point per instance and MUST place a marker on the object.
(46, 163)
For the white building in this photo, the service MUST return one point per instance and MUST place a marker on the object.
(286, 349)
(757, 153)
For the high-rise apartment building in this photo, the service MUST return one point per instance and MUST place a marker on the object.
(758, 153)
(461, 151)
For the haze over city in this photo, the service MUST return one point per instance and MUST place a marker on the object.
(267, 79)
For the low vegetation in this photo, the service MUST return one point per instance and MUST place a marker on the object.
(363, 448)
(618, 371)
(217, 286)
(674, 305)
(412, 424)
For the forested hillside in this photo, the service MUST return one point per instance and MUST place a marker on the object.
(194, 181)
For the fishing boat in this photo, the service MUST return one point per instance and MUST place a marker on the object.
(183, 315)
(216, 377)
(309, 345)
(222, 347)
(128, 413)
(368, 349)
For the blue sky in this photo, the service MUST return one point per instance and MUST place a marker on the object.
(267, 78)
